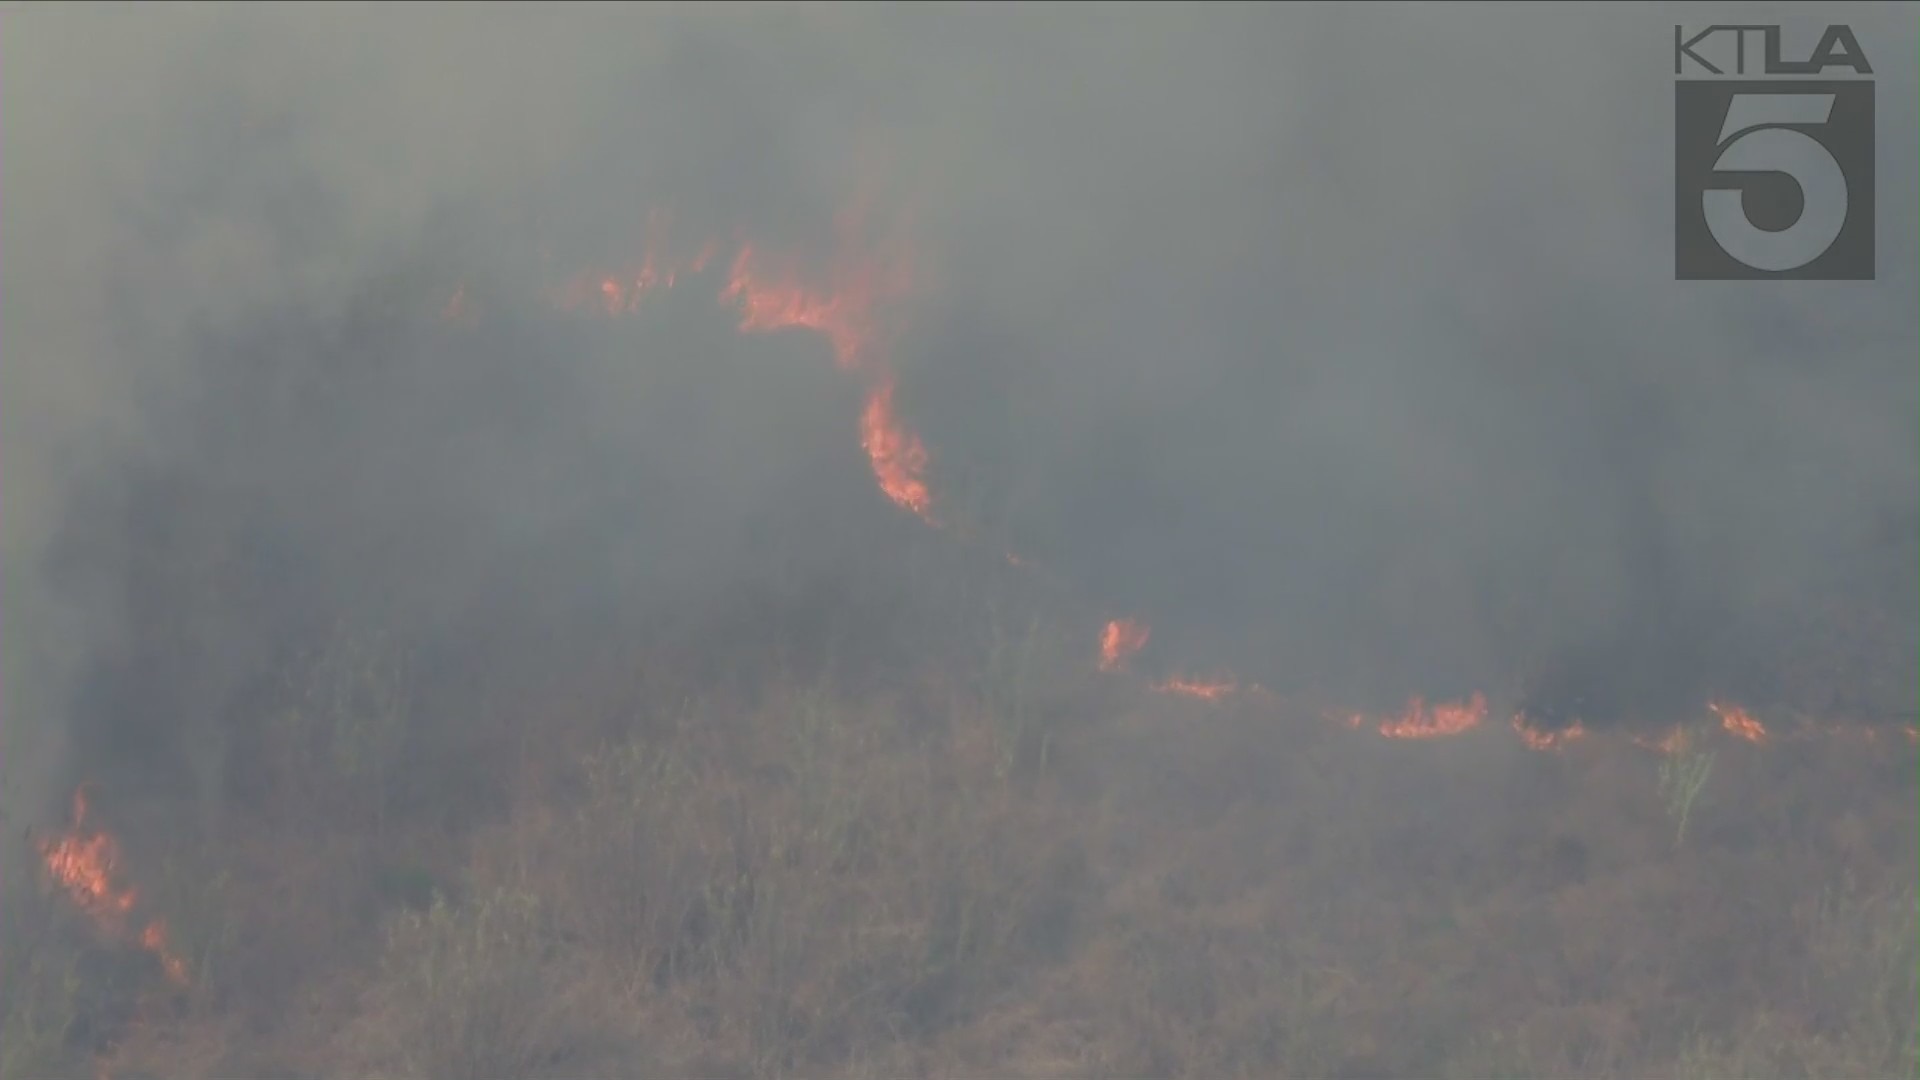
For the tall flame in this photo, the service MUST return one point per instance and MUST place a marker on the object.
(1119, 640)
(84, 864)
(898, 458)
(774, 294)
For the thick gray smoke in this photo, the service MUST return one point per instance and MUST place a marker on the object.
(1340, 344)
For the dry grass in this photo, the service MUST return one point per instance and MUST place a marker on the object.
(1034, 877)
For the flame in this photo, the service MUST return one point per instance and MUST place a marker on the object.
(619, 292)
(845, 300)
(84, 863)
(614, 293)
(1119, 640)
(656, 271)
(1419, 721)
(1739, 722)
(772, 297)
(1546, 740)
(154, 940)
(898, 458)
(774, 293)
(1205, 691)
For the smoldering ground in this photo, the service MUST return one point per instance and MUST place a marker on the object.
(1341, 345)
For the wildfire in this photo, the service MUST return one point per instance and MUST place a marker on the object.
(620, 292)
(898, 458)
(1421, 721)
(1205, 691)
(1739, 722)
(844, 304)
(846, 299)
(84, 863)
(154, 940)
(1546, 740)
(773, 295)
(1119, 641)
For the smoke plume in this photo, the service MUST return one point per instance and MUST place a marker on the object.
(1341, 345)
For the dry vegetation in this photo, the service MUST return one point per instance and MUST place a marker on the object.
(1042, 875)
(484, 679)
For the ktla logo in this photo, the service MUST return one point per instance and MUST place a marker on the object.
(1773, 168)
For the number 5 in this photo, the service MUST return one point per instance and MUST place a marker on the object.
(1754, 140)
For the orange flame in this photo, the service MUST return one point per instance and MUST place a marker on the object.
(614, 293)
(620, 292)
(1739, 722)
(1546, 740)
(1205, 691)
(898, 458)
(772, 298)
(1119, 641)
(154, 940)
(1418, 721)
(773, 294)
(84, 863)
(843, 301)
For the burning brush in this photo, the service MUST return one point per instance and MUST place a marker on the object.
(85, 864)
(850, 298)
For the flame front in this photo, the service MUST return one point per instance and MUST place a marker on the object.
(898, 458)
(1420, 721)
(620, 292)
(1119, 640)
(774, 293)
(845, 299)
(1546, 740)
(154, 940)
(84, 863)
(1197, 688)
(1739, 721)
(772, 297)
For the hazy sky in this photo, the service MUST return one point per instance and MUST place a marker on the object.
(1341, 342)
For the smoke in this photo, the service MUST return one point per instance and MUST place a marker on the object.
(1342, 345)
(1354, 353)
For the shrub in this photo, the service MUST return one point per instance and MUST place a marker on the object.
(473, 992)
